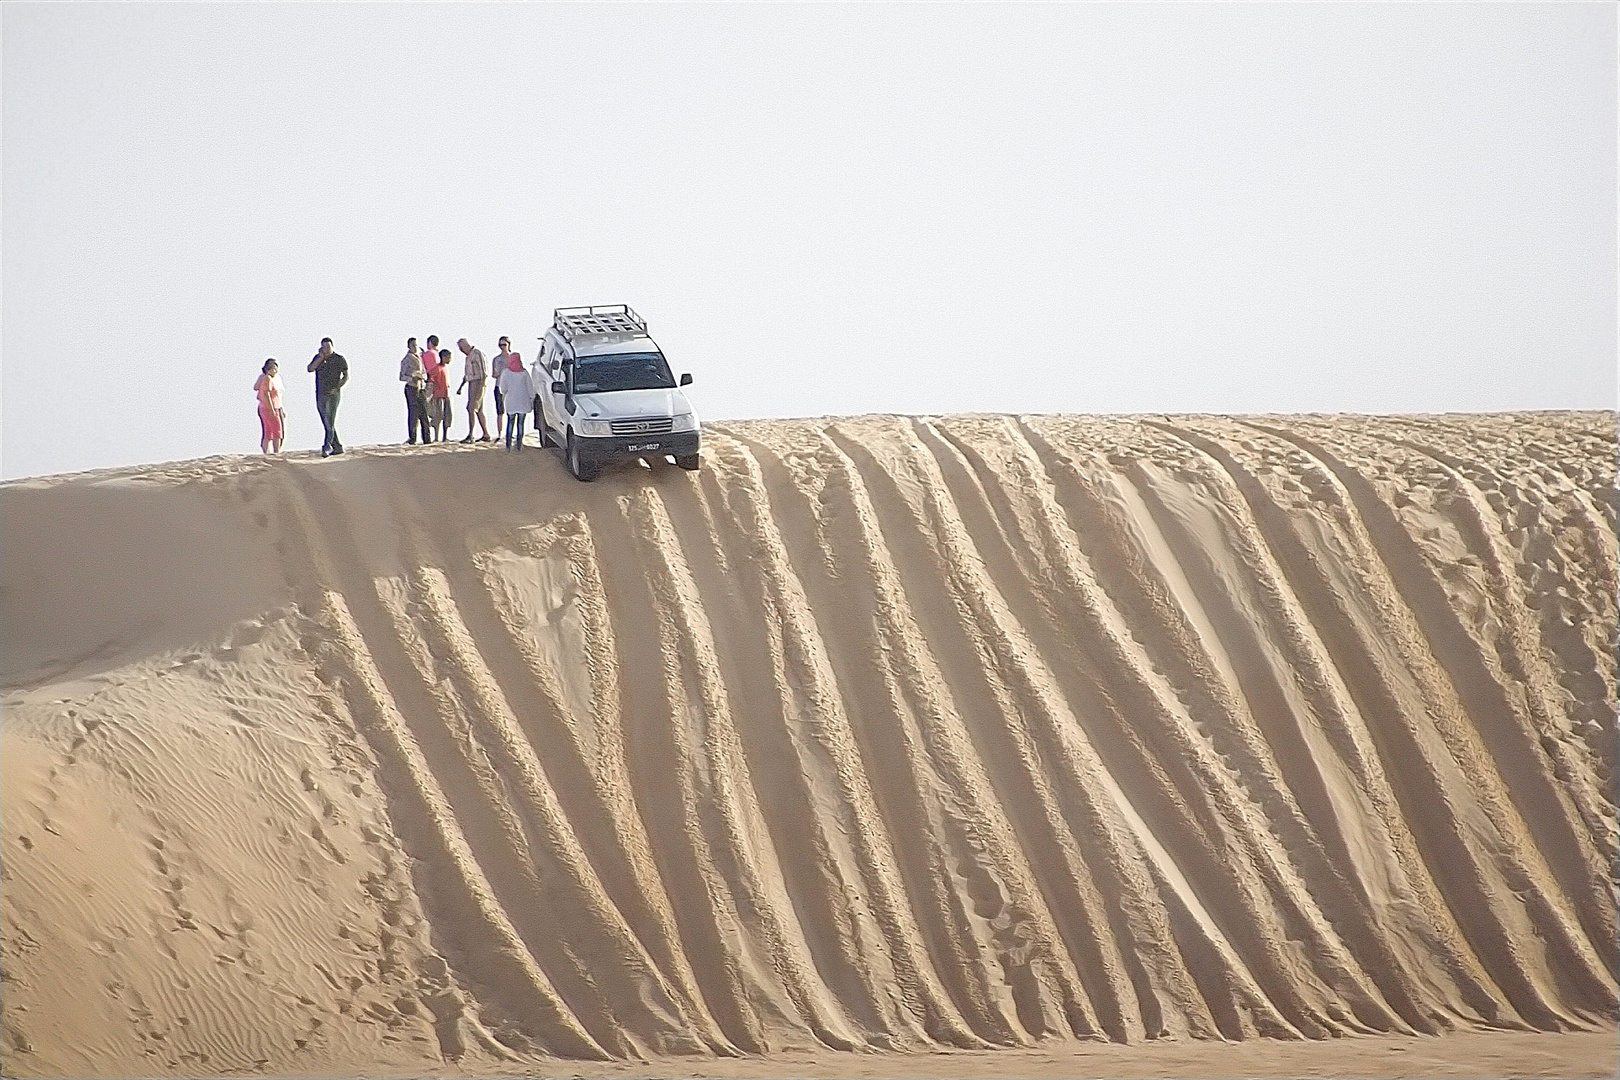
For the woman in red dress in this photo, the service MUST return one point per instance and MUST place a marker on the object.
(272, 418)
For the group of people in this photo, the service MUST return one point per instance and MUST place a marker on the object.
(426, 375)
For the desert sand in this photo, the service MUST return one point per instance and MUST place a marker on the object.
(1166, 745)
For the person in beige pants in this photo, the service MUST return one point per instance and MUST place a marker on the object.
(474, 377)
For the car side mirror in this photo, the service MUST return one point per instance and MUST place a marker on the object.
(686, 380)
(558, 388)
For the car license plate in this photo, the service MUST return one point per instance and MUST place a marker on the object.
(636, 447)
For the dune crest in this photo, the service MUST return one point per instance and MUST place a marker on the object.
(879, 732)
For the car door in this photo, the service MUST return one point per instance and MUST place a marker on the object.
(548, 363)
(563, 373)
(544, 367)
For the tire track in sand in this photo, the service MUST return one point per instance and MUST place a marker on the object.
(853, 850)
(1217, 793)
(1348, 687)
(1288, 678)
(973, 731)
(1259, 724)
(586, 753)
(1568, 884)
(1099, 805)
(738, 916)
(1526, 741)
(490, 949)
(1425, 740)
(990, 934)
(637, 1009)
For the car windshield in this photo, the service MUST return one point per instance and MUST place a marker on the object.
(621, 371)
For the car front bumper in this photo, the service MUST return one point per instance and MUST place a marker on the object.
(678, 443)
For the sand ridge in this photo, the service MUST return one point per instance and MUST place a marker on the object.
(891, 733)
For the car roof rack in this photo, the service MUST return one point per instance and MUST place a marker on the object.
(573, 322)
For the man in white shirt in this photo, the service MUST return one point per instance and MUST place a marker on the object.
(414, 376)
(474, 377)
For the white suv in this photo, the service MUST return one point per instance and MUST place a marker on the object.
(606, 391)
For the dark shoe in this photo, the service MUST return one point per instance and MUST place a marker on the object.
(326, 452)
(467, 439)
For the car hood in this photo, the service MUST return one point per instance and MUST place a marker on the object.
(624, 404)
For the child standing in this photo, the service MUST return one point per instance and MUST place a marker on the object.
(439, 404)
(516, 388)
(272, 418)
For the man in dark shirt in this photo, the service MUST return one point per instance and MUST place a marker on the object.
(331, 372)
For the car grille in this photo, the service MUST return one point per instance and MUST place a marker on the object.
(652, 425)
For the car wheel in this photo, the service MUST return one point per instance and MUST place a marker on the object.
(543, 433)
(578, 465)
(689, 462)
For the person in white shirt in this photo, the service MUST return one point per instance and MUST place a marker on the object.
(474, 375)
(518, 389)
(414, 376)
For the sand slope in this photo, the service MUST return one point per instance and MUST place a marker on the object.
(877, 733)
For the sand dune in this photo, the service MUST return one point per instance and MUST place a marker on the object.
(877, 733)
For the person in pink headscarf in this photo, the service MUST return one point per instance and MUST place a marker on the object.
(272, 417)
(516, 387)
(497, 368)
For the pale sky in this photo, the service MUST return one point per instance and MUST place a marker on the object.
(819, 208)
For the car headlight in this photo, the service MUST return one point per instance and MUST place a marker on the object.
(594, 427)
(685, 422)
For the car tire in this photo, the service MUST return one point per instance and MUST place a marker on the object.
(689, 462)
(543, 434)
(581, 468)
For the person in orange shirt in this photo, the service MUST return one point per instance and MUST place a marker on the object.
(272, 417)
(430, 355)
(439, 402)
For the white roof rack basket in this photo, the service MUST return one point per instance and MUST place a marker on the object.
(572, 322)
